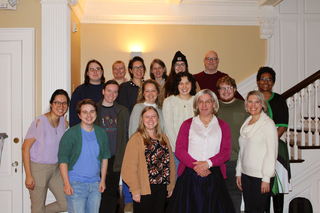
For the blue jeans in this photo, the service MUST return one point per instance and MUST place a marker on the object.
(86, 198)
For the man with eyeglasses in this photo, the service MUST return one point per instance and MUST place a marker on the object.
(208, 78)
(232, 111)
(119, 71)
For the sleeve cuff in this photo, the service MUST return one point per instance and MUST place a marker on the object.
(209, 163)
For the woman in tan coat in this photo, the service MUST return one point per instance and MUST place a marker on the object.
(148, 165)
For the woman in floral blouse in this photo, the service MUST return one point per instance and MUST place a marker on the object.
(148, 165)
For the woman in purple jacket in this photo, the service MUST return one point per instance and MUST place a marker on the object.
(203, 146)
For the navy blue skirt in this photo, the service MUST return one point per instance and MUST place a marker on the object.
(194, 194)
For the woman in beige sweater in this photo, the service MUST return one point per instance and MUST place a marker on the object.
(148, 165)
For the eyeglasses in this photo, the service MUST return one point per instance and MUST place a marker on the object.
(266, 79)
(118, 68)
(58, 103)
(226, 88)
(180, 65)
(211, 59)
(137, 68)
(95, 69)
(207, 102)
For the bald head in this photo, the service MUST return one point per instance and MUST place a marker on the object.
(211, 62)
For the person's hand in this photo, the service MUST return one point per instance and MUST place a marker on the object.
(136, 198)
(67, 189)
(102, 186)
(201, 167)
(169, 194)
(265, 187)
(30, 182)
(205, 173)
(239, 184)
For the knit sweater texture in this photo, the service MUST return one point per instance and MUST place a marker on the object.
(71, 144)
(134, 168)
(258, 148)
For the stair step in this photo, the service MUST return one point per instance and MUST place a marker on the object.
(296, 161)
(306, 146)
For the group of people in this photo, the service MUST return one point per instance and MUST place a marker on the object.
(190, 138)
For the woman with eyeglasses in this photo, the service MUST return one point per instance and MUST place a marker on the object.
(203, 146)
(91, 88)
(158, 71)
(40, 155)
(179, 106)
(278, 112)
(128, 94)
(179, 64)
(128, 91)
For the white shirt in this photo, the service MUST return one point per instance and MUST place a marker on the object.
(204, 142)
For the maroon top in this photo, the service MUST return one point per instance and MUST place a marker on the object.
(209, 81)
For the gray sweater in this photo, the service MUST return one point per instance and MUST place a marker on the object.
(135, 116)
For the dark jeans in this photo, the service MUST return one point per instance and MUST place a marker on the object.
(109, 198)
(231, 183)
(152, 203)
(254, 201)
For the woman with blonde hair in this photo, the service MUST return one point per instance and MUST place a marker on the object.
(149, 95)
(158, 71)
(258, 154)
(148, 167)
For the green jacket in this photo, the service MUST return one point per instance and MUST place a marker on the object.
(122, 132)
(71, 144)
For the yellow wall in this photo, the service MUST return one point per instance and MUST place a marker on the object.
(27, 15)
(240, 49)
(75, 53)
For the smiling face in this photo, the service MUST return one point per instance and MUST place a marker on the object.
(157, 70)
(180, 66)
(118, 71)
(150, 93)
(59, 106)
(150, 120)
(110, 93)
(254, 105)
(211, 62)
(227, 93)
(184, 86)
(87, 114)
(94, 73)
(265, 83)
(206, 105)
(137, 70)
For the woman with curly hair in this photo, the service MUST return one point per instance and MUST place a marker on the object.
(179, 107)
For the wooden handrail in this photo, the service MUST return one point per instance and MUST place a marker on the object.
(312, 78)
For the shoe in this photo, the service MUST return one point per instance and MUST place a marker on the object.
(128, 208)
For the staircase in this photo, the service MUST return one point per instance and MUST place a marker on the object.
(302, 138)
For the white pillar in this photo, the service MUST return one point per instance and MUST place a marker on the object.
(56, 48)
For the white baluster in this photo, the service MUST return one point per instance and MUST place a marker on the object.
(288, 130)
(295, 146)
(309, 114)
(316, 119)
(303, 134)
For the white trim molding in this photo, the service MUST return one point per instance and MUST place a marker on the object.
(27, 38)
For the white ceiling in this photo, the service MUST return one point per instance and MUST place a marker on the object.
(195, 12)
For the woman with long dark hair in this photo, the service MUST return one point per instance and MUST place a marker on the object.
(91, 88)
(40, 155)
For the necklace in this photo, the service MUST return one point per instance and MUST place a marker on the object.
(55, 127)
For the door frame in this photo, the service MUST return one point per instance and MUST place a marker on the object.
(27, 38)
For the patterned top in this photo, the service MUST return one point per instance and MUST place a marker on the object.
(157, 157)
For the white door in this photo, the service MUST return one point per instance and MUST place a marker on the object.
(11, 182)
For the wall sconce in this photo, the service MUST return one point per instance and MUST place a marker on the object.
(133, 54)
(74, 27)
